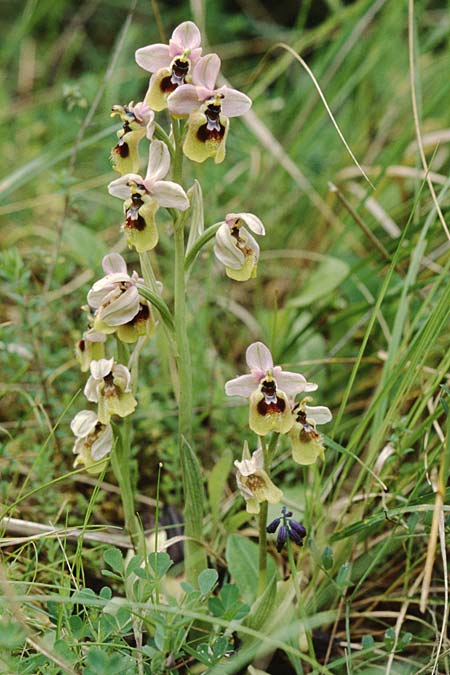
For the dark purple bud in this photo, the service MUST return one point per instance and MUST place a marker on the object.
(272, 527)
(286, 513)
(294, 536)
(298, 528)
(281, 537)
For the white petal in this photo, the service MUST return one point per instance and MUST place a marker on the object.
(103, 444)
(158, 163)
(90, 389)
(153, 57)
(187, 35)
(113, 262)
(185, 99)
(258, 357)
(101, 368)
(244, 386)
(252, 221)
(320, 414)
(206, 70)
(290, 383)
(122, 377)
(122, 310)
(83, 423)
(170, 194)
(120, 187)
(225, 249)
(234, 102)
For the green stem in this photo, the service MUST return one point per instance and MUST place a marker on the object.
(268, 453)
(300, 603)
(195, 557)
(120, 459)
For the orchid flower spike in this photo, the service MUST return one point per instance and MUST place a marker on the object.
(208, 109)
(143, 197)
(94, 441)
(269, 389)
(170, 64)
(236, 248)
(110, 386)
(91, 347)
(115, 297)
(307, 443)
(253, 482)
(138, 121)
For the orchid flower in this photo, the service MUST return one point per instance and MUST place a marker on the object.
(91, 347)
(170, 64)
(236, 248)
(144, 196)
(307, 443)
(138, 121)
(94, 440)
(143, 323)
(115, 297)
(253, 482)
(269, 389)
(110, 386)
(208, 109)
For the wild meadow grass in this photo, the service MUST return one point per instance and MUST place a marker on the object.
(352, 290)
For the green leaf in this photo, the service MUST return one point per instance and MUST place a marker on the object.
(243, 558)
(160, 563)
(327, 557)
(207, 580)
(158, 302)
(262, 607)
(114, 558)
(217, 481)
(327, 276)
(343, 576)
(367, 642)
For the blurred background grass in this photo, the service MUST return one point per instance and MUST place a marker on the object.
(370, 328)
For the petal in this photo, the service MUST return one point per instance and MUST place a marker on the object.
(158, 163)
(234, 102)
(276, 418)
(304, 452)
(103, 444)
(319, 414)
(122, 377)
(153, 57)
(120, 187)
(244, 386)
(290, 383)
(206, 70)
(252, 221)
(184, 99)
(113, 262)
(155, 97)
(83, 423)
(90, 389)
(101, 368)
(258, 357)
(186, 36)
(225, 249)
(170, 194)
(122, 310)
(122, 405)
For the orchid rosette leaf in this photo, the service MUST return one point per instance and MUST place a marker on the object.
(170, 64)
(138, 121)
(307, 443)
(236, 248)
(94, 441)
(253, 481)
(209, 110)
(143, 197)
(269, 390)
(110, 386)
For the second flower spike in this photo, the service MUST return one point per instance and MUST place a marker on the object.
(143, 197)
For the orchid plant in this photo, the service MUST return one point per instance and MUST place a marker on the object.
(124, 310)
